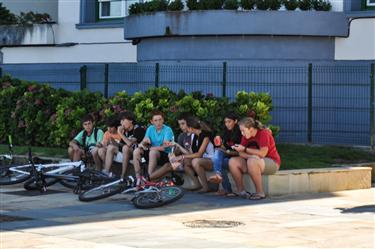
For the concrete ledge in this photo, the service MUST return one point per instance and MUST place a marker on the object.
(287, 182)
(230, 22)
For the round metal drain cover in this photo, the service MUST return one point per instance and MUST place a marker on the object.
(212, 224)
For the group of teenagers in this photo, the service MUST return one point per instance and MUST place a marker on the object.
(244, 147)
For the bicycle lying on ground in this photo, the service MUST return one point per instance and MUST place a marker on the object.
(147, 195)
(74, 175)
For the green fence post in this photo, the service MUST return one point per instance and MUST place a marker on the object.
(83, 73)
(106, 68)
(372, 108)
(309, 105)
(224, 79)
(157, 71)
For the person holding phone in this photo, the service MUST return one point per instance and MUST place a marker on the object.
(201, 158)
(231, 135)
(257, 155)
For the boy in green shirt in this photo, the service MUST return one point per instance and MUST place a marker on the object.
(85, 140)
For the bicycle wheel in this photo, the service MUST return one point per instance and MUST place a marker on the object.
(101, 192)
(9, 175)
(31, 184)
(87, 180)
(156, 199)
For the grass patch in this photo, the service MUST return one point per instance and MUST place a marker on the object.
(307, 156)
(36, 151)
(292, 156)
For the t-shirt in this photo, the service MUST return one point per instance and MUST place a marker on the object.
(185, 139)
(158, 137)
(231, 137)
(90, 140)
(108, 135)
(263, 138)
(138, 132)
(197, 142)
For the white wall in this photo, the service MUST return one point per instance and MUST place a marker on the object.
(337, 5)
(39, 6)
(81, 53)
(360, 45)
(93, 45)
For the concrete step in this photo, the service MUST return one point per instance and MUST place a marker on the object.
(287, 182)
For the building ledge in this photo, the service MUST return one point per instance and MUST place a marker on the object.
(101, 25)
(241, 23)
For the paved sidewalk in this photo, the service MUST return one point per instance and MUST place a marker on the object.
(58, 220)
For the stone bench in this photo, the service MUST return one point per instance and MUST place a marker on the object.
(287, 182)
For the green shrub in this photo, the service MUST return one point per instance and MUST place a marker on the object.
(176, 5)
(290, 4)
(304, 4)
(30, 18)
(211, 4)
(274, 4)
(248, 4)
(6, 17)
(136, 8)
(193, 4)
(231, 4)
(321, 5)
(263, 4)
(155, 5)
(40, 115)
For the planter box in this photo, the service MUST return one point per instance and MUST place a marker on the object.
(37, 34)
(228, 22)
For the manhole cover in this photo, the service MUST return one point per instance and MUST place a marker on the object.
(8, 218)
(212, 224)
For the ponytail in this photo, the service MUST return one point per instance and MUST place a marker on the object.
(250, 122)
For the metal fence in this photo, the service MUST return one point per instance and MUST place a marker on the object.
(326, 103)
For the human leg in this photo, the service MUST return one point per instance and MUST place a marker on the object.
(153, 161)
(224, 174)
(137, 155)
(127, 152)
(237, 166)
(160, 172)
(255, 168)
(111, 151)
(95, 156)
(217, 164)
(200, 165)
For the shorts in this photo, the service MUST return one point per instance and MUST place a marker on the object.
(118, 157)
(270, 167)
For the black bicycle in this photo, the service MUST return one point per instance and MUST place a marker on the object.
(147, 195)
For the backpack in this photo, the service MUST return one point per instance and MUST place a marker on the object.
(84, 136)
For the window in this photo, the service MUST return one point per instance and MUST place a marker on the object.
(368, 4)
(111, 9)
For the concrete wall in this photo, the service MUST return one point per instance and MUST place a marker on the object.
(89, 45)
(39, 6)
(234, 48)
(360, 45)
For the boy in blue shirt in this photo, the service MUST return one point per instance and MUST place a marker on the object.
(159, 138)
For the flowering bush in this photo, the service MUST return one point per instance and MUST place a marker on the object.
(40, 115)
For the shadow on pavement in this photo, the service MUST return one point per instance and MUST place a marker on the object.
(61, 207)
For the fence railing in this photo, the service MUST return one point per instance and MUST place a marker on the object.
(326, 103)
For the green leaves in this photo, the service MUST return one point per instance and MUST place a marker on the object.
(45, 116)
